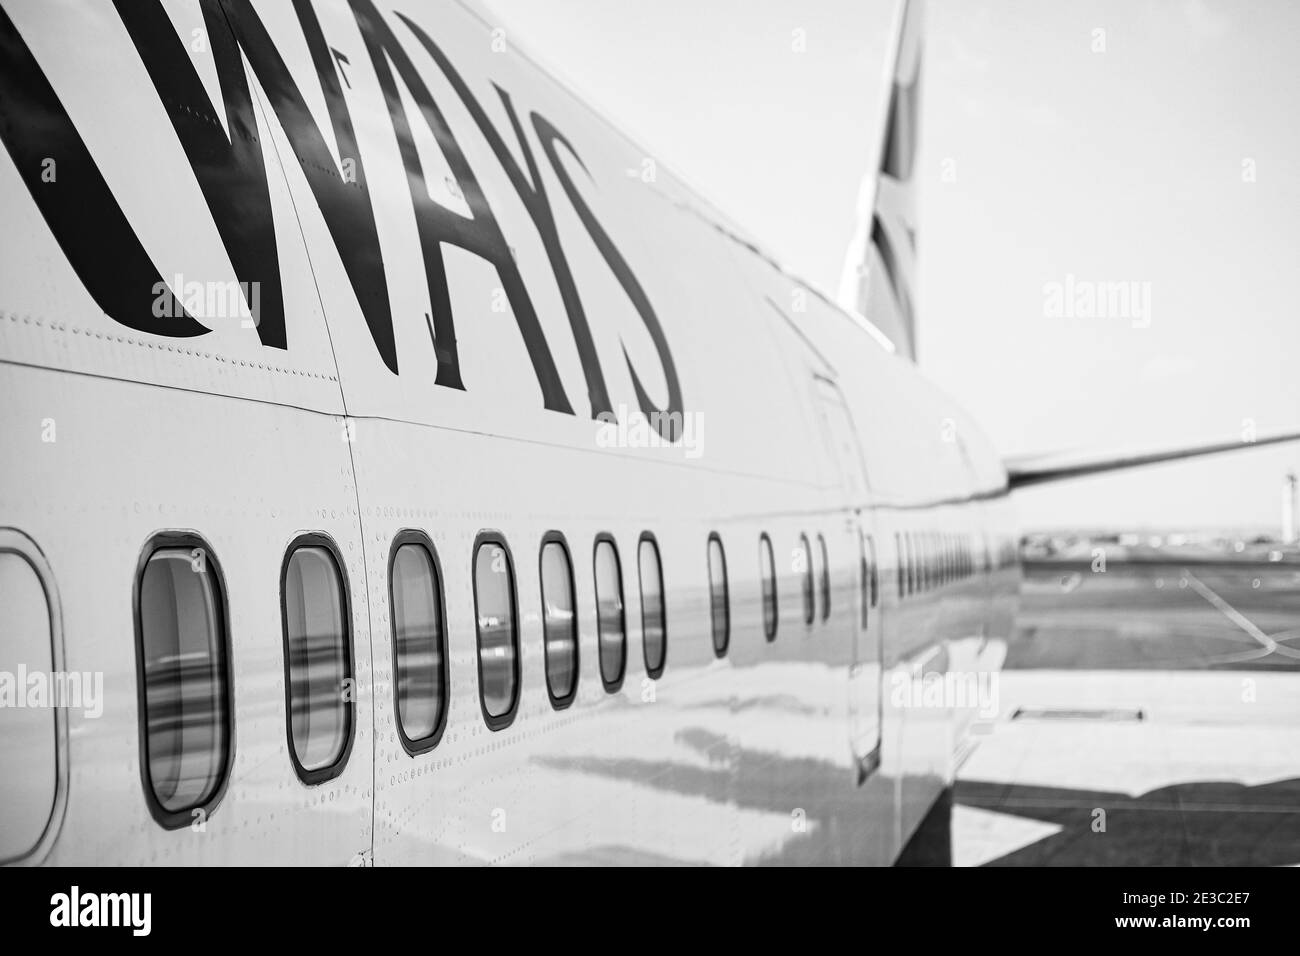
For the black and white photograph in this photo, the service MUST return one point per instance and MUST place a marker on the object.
(601, 433)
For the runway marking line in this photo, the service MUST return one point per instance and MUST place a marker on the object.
(1236, 617)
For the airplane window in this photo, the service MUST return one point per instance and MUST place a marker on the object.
(911, 562)
(922, 557)
(611, 625)
(898, 550)
(318, 658)
(719, 599)
(497, 630)
(922, 562)
(29, 754)
(654, 626)
(826, 577)
(916, 548)
(875, 571)
(419, 642)
(933, 559)
(809, 586)
(767, 571)
(907, 561)
(185, 671)
(864, 584)
(559, 620)
(918, 562)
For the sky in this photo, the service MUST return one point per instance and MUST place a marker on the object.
(1063, 145)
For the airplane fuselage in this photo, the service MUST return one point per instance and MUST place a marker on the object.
(342, 306)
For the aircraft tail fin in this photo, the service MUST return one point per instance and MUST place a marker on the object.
(879, 267)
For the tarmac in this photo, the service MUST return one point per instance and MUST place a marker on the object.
(1148, 716)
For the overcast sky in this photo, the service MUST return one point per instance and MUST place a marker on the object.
(1162, 151)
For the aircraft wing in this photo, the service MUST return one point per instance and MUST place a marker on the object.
(1029, 470)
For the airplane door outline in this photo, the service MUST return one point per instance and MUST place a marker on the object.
(864, 686)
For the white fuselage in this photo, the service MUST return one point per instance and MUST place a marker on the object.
(798, 421)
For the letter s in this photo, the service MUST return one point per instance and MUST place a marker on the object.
(663, 418)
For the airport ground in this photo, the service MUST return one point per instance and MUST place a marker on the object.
(1148, 716)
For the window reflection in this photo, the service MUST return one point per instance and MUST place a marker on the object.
(718, 597)
(559, 623)
(185, 684)
(609, 612)
(875, 570)
(319, 668)
(654, 629)
(805, 550)
(767, 570)
(826, 576)
(494, 600)
(417, 641)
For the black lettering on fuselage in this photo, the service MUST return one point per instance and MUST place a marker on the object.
(667, 420)
(532, 192)
(80, 209)
(231, 172)
(436, 224)
(108, 257)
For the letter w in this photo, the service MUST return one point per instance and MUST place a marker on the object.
(231, 172)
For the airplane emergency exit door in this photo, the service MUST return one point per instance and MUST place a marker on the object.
(864, 673)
